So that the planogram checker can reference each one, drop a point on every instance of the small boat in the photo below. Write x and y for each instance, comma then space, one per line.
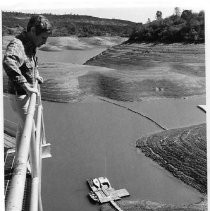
93, 196
94, 184
104, 182
97, 184
102, 191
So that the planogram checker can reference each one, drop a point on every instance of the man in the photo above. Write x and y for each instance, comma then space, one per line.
20, 63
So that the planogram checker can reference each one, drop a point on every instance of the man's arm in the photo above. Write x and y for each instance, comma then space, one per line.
29, 90
13, 59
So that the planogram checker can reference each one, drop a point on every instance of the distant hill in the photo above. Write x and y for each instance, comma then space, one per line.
66, 25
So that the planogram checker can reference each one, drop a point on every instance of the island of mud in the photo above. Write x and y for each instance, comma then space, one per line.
180, 151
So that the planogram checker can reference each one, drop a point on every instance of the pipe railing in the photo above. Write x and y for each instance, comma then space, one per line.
33, 137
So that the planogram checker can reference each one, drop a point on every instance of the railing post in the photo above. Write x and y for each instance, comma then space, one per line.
16, 193
33, 137
35, 158
34, 194
34, 172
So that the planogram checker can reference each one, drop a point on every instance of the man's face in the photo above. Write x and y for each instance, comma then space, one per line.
40, 39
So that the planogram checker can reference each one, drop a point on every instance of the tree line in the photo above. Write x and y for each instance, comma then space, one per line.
186, 27
69, 24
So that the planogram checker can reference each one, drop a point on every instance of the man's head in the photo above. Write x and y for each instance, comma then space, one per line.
40, 29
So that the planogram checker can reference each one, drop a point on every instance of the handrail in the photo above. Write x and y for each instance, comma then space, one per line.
33, 137
36, 161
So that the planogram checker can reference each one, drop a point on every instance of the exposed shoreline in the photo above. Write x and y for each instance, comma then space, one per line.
154, 71
182, 152
145, 205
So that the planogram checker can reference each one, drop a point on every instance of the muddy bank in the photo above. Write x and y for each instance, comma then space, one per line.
154, 206
157, 71
180, 151
134, 72
61, 83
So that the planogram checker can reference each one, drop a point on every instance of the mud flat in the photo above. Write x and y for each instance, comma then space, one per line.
153, 206
61, 82
157, 71
182, 152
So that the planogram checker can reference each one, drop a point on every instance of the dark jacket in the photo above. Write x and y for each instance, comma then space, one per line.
19, 63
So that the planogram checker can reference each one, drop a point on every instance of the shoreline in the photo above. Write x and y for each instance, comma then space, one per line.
182, 152
146, 205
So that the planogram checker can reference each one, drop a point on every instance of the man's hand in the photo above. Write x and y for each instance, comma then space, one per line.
40, 79
29, 90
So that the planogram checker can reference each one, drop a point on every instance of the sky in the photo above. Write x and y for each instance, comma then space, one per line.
135, 14
133, 10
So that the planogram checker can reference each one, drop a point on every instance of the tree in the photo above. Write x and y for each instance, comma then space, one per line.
186, 15
201, 13
177, 11
158, 15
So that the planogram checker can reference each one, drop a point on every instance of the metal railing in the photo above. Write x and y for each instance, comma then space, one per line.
31, 146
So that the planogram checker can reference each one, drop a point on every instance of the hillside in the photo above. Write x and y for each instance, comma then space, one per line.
66, 25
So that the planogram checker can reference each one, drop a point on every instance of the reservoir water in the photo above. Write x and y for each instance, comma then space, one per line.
94, 138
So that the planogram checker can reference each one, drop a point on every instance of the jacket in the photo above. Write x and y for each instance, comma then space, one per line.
19, 63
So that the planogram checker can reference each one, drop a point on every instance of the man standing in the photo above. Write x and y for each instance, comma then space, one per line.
20, 63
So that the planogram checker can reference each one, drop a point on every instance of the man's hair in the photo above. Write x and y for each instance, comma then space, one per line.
40, 23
